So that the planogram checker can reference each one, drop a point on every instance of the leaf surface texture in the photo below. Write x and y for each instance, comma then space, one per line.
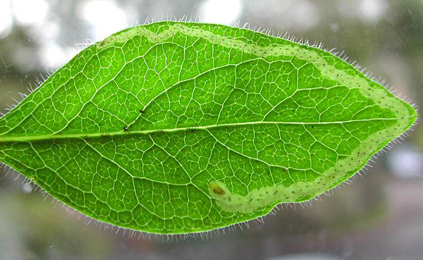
179, 127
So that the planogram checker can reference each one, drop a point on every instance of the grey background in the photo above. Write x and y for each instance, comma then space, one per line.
378, 216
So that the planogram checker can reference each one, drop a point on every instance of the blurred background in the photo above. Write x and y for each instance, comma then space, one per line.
379, 216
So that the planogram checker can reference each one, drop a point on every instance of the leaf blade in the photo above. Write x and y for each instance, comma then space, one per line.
185, 127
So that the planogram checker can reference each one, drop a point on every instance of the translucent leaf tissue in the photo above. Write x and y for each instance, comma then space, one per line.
177, 127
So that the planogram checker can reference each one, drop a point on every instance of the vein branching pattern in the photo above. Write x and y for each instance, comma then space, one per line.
179, 127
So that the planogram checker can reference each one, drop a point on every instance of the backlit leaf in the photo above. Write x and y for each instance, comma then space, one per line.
179, 127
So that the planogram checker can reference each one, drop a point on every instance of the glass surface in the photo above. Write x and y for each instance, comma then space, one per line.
378, 216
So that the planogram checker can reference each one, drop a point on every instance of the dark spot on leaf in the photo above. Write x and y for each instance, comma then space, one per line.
216, 189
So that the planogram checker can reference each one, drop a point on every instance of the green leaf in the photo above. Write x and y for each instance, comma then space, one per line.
179, 127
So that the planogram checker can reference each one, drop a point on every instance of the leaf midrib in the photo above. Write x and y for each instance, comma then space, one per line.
9, 139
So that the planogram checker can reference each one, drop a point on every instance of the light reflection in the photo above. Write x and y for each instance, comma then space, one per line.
305, 13
369, 11
372, 10
406, 162
5, 18
105, 17
220, 11
30, 12
52, 56
287, 14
